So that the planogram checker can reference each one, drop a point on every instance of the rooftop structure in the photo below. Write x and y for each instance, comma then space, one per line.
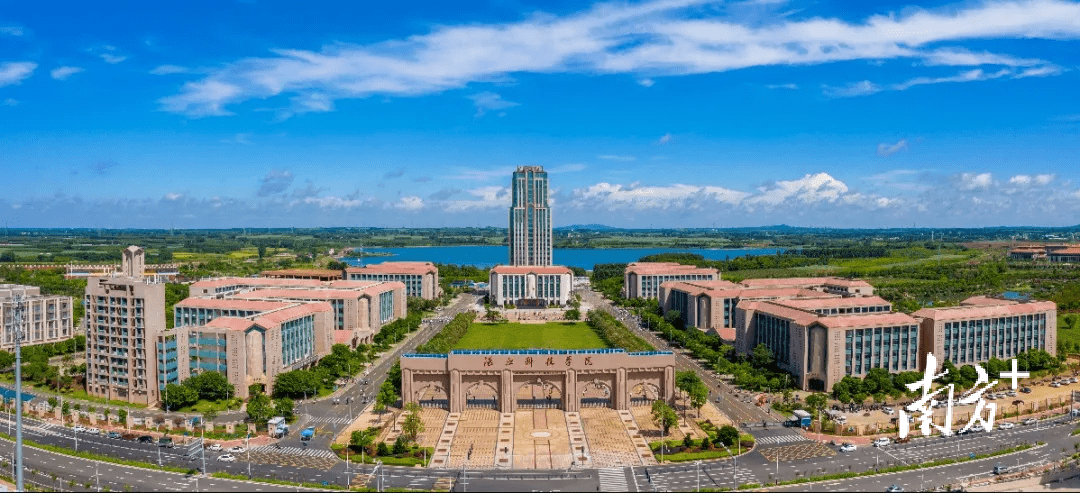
421, 278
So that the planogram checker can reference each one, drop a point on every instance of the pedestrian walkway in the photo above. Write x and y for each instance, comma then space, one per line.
304, 452
780, 439
330, 420
613, 479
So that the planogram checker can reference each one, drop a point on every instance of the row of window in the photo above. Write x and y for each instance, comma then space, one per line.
891, 348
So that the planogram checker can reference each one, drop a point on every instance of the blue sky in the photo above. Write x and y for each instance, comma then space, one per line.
677, 113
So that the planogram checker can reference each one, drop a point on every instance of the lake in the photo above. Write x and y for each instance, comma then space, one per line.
586, 258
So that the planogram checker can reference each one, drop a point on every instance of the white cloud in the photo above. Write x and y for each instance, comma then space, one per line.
614, 157
973, 181
62, 73
332, 202
490, 197
808, 189
113, 59
489, 101
664, 139
782, 86
649, 39
11, 102
676, 196
174, 196
15, 72
646, 82
410, 203
886, 150
170, 69
861, 88
11, 30
1026, 180
276, 181
968, 76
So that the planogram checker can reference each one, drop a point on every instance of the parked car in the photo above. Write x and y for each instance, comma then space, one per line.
226, 458
1030, 421
1026, 390
236, 450
165, 442
115, 434
978, 428
1000, 469
79, 428
888, 411
881, 442
215, 447
146, 439
1005, 426
1011, 393
93, 431
847, 447
894, 489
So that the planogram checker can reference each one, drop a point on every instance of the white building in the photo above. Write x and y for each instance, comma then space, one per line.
530, 286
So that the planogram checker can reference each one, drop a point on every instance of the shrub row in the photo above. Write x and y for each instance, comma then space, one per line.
448, 336
615, 333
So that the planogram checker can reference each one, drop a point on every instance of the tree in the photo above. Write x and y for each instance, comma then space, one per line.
122, 417
573, 314
664, 416
296, 383
259, 408
211, 386
262, 251
761, 356
360, 439
412, 426
285, 408
177, 396
387, 395
699, 395
727, 435
383, 450
817, 402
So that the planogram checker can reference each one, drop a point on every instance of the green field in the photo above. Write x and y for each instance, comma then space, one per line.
556, 335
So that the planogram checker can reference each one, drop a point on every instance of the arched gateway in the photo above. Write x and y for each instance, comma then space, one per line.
540, 378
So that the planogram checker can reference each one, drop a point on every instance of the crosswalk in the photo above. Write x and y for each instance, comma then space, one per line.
306, 452
613, 479
780, 439
335, 421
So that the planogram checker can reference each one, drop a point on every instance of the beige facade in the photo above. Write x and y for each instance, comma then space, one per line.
982, 328
516, 379
45, 318
530, 286
421, 278
249, 350
643, 279
819, 341
125, 315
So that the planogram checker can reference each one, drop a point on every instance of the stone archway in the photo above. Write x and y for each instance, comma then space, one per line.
433, 394
537, 393
596, 392
643, 394
482, 395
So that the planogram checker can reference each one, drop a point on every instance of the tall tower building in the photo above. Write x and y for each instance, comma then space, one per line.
530, 218
125, 313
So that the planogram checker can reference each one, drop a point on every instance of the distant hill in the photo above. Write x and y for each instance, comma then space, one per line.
590, 227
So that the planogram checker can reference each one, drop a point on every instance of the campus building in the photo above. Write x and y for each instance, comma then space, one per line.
318, 274
509, 380
982, 327
253, 349
125, 315
530, 287
530, 218
819, 341
643, 279
421, 278
831, 285
221, 287
1063, 253
45, 318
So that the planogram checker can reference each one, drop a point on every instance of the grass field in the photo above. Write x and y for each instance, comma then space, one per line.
556, 335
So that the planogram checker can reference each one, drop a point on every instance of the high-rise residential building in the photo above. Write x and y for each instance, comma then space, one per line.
45, 318
125, 315
530, 218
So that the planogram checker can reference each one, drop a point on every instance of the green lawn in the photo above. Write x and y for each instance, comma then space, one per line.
557, 335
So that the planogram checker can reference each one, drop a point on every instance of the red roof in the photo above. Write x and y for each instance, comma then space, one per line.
254, 281
713, 288
726, 333
231, 323
867, 320
232, 304
668, 268
531, 269
804, 282
819, 303
277, 317
352, 284
1065, 251
396, 268
987, 301
343, 337
303, 294
985, 311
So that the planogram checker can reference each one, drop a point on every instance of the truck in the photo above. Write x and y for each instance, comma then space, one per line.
307, 433
799, 418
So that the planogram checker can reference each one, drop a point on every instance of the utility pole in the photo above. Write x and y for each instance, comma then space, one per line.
17, 333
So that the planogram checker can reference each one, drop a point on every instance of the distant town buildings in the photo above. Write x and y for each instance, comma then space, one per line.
125, 315
1055, 253
45, 318
421, 278
530, 218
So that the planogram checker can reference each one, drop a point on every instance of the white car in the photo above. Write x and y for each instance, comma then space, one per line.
93, 431
1030, 421
978, 428
888, 411
1005, 426
79, 428
236, 450
215, 447
881, 442
847, 447
226, 458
